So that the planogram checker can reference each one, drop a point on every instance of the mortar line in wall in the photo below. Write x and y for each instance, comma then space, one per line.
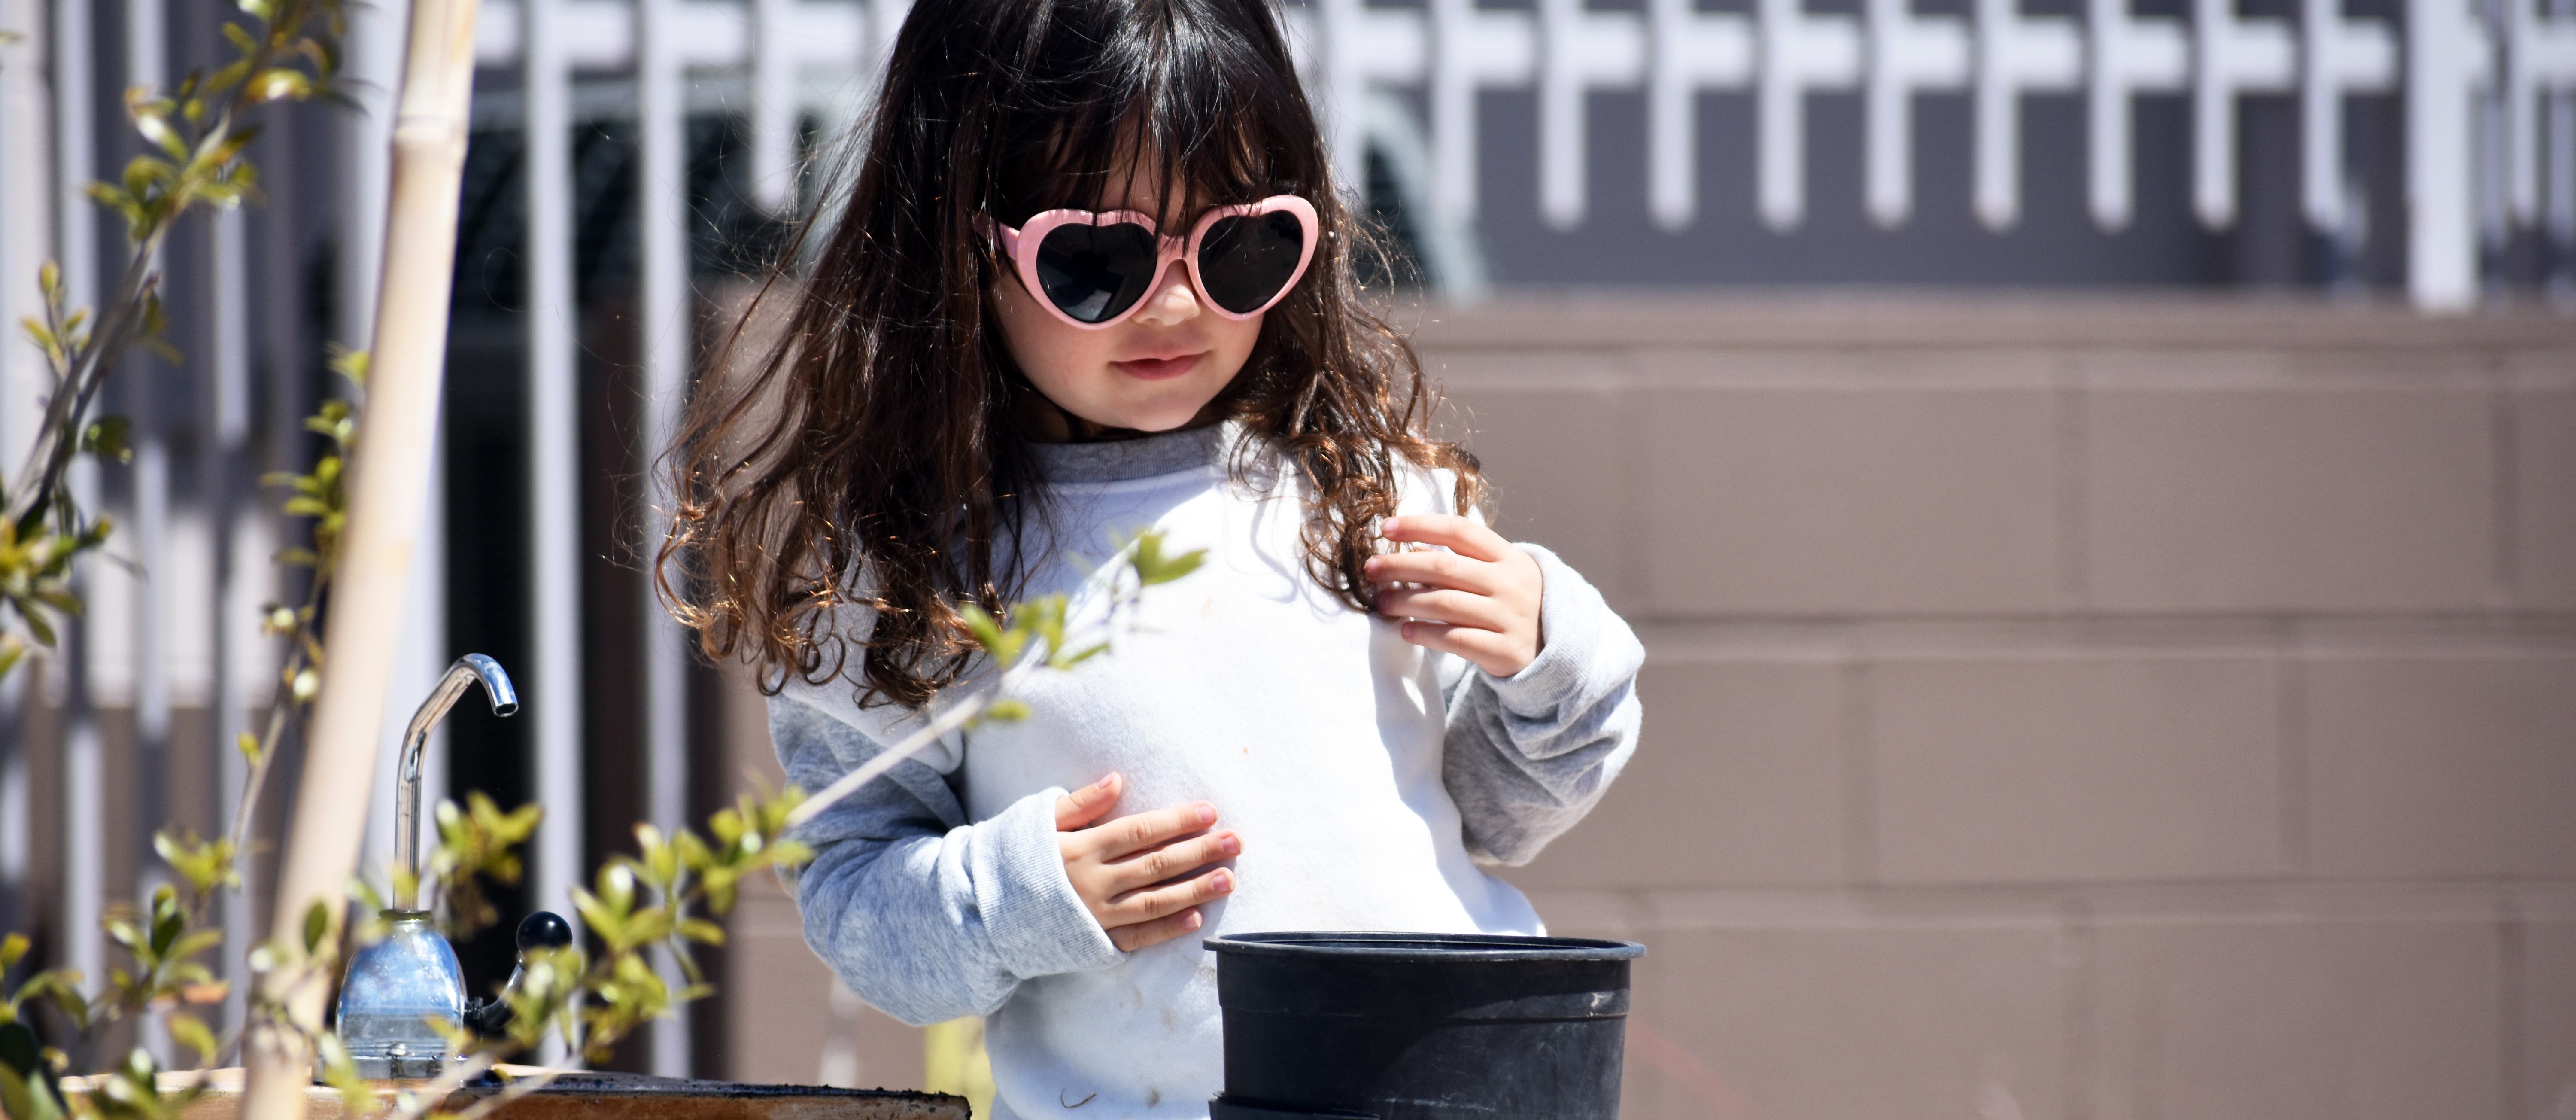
1634, 463
2504, 463
2082, 1002
2292, 753
1860, 775
2074, 467
2510, 965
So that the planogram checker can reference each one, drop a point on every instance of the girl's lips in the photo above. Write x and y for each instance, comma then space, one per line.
1157, 369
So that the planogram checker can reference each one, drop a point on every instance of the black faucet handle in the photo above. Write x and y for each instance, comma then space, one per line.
544, 929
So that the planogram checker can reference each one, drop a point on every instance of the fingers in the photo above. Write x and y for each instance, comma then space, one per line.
1171, 861
1131, 834
1440, 605
1502, 655
1455, 570
1163, 901
1128, 939
1083, 806
1458, 534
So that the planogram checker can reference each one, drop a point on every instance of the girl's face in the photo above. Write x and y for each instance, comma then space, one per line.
1156, 370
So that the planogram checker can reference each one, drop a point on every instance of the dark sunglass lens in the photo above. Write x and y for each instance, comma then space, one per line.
1095, 272
1245, 262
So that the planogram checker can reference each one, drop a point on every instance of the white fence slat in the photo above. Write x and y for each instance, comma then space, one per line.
2016, 54
2231, 57
773, 103
2446, 63
1580, 51
2342, 56
1692, 51
2540, 56
2127, 56
1800, 53
1907, 54
1471, 49
554, 450
669, 37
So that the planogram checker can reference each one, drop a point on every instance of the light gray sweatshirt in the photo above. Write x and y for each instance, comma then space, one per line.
1368, 778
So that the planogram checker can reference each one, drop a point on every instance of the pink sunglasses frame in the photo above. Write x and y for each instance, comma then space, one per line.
1021, 245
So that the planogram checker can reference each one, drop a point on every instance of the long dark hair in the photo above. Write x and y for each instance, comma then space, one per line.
871, 453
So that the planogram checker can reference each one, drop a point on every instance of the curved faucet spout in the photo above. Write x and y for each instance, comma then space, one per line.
468, 669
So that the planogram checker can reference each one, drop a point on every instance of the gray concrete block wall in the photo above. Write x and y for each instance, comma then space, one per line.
2118, 710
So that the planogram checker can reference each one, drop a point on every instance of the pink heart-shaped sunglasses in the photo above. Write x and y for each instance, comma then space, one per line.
1093, 269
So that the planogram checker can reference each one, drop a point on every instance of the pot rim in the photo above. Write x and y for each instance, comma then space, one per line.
1423, 947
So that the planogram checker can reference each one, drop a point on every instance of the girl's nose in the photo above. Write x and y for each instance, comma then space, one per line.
1175, 303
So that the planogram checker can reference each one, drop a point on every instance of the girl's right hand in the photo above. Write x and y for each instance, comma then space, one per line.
1143, 876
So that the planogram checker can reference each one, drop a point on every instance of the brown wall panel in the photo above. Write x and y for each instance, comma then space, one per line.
2451, 766
1743, 786
1831, 1023
2076, 769
2387, 1019
2543, 426
2269, 500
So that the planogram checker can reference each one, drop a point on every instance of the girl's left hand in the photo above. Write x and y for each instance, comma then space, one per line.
1478, 600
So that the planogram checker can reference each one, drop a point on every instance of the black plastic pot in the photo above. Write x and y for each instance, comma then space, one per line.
1421, 1026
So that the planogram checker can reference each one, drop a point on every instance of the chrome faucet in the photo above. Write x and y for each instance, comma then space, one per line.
399, 983
505, 701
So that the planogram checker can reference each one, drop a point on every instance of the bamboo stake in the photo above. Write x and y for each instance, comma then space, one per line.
389, 490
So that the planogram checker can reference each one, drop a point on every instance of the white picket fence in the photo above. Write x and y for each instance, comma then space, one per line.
2453, 64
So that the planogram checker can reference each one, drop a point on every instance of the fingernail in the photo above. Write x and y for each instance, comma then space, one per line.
1224, 883
1230, 845
1390, 525
1195, 920
1104, 782
1371, 565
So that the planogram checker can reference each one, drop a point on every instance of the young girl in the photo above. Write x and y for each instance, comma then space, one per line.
1095, 276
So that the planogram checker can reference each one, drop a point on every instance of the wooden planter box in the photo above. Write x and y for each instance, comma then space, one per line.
585, 1095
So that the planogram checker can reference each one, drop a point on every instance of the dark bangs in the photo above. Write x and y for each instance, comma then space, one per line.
1194, 96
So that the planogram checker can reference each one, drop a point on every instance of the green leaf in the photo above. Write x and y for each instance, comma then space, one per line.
37, 626
191, 1032
317, 925
106, 438
1069, 660
278, 85
348, 363
12, 949
1152, 567
26, 1081
1007, 710
988, 633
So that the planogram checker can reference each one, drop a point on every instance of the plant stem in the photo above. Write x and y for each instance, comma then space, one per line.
281, 703
118, 326
59, 439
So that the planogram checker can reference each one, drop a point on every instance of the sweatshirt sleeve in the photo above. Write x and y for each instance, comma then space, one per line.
1526, 756
926, 916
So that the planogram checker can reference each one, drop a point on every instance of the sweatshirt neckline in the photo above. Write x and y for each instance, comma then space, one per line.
1143, 457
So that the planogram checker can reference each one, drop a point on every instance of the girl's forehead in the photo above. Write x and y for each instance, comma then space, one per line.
1125, 166
1146, 186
